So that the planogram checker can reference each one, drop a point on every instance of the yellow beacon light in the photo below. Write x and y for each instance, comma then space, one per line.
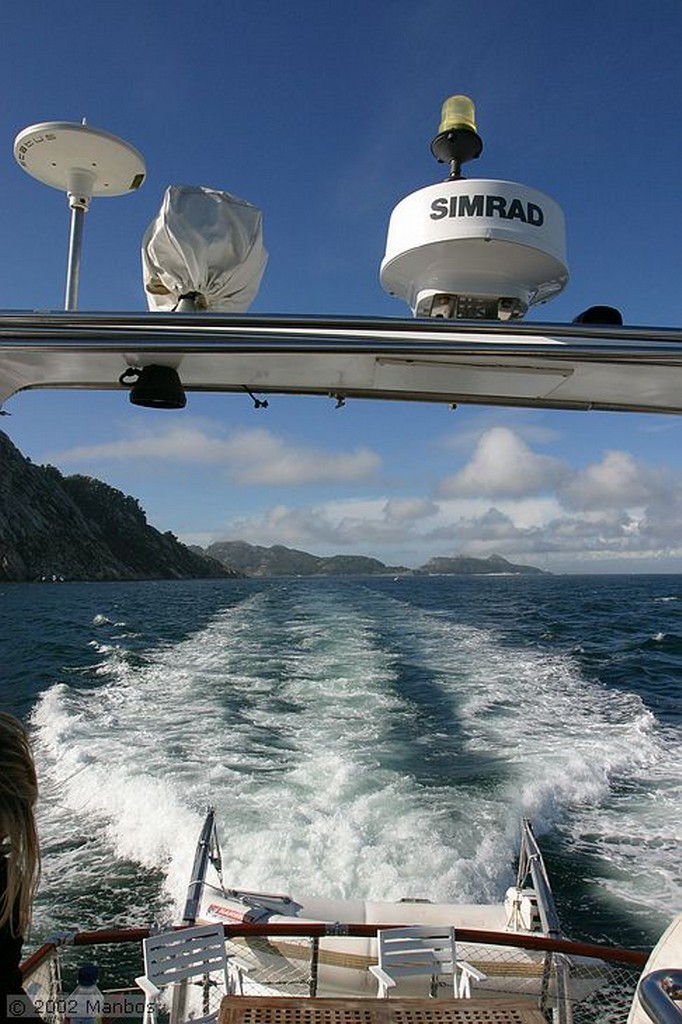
457, 140
457, 112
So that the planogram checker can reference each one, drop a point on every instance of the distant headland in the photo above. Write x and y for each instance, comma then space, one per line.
254, 560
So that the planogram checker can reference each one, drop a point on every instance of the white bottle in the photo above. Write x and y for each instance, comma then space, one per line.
85, 1004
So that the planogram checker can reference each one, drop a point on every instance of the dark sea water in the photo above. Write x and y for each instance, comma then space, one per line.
358, 737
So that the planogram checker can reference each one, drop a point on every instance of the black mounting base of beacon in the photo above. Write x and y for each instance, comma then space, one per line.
455, 147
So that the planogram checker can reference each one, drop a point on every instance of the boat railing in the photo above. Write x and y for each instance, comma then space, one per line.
207, 852
564, 1002
585, 984
531, 864
659, 994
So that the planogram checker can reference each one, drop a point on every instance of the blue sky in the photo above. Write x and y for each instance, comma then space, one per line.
322, 115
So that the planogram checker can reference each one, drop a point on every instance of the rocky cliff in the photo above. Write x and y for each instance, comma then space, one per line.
78, 528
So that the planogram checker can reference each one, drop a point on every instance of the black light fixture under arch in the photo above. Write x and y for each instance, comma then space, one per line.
154, 387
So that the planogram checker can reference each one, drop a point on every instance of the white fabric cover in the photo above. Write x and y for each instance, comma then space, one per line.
207, 242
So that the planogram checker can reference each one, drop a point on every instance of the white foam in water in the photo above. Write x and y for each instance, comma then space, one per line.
588, 758
286, 726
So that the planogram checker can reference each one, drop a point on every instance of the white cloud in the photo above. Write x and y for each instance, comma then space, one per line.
400, 510
517, 530
507, 498
540, 510
504, 465
533, 433
617, 482
371, 526
362, 524
251, 457
186, 443
258, 457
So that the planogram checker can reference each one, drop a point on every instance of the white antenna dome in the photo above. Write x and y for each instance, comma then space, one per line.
473, 249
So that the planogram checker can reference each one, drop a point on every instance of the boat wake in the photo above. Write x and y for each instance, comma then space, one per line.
353, 745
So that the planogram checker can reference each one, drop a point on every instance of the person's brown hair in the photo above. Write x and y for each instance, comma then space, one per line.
18, 835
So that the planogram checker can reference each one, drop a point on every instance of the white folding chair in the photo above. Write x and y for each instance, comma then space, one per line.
176, 956
422, 949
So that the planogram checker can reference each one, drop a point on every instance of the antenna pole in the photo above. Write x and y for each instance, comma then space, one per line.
73, 266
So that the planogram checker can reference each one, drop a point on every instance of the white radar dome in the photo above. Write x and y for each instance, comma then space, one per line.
474, 248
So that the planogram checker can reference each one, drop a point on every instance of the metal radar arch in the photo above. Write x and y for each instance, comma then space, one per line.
83, 162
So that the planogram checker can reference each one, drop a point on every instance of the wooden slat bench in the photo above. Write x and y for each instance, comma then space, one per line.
282, 1010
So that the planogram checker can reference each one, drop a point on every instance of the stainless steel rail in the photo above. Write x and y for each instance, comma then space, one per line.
207, 851
157, 329
531, 863
659, 992
412, 325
